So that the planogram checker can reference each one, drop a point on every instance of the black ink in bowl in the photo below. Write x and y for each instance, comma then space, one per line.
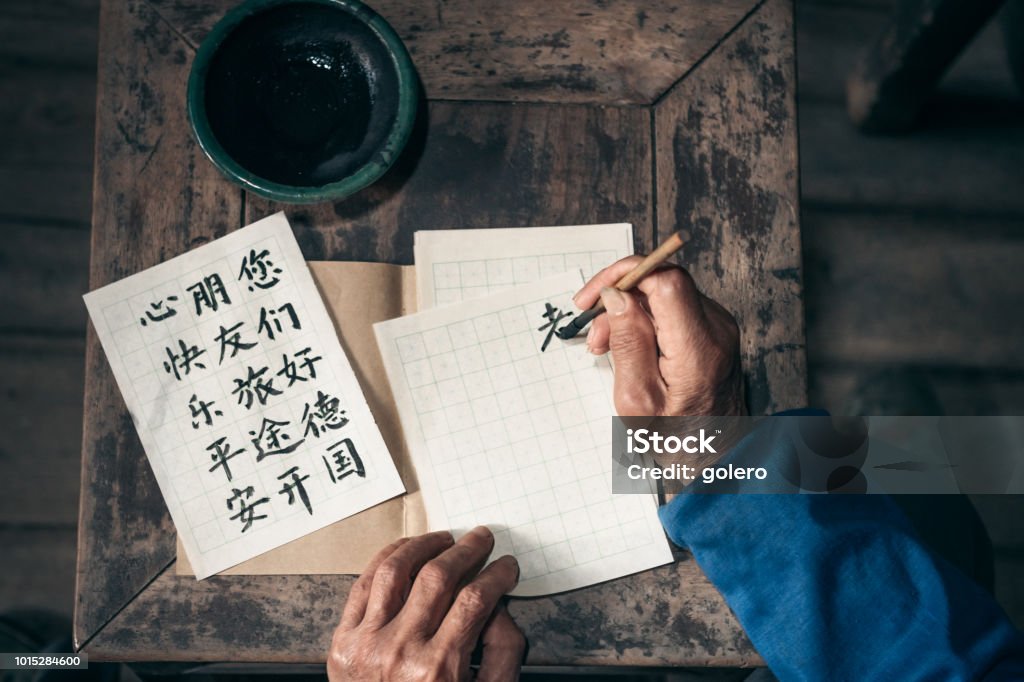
302, 101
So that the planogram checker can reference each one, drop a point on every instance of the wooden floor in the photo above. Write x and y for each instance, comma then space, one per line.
913, 251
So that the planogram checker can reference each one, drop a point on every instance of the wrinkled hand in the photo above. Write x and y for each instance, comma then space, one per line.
676, 351
419, 609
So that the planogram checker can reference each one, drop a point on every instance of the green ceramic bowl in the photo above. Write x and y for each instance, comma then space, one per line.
302, 100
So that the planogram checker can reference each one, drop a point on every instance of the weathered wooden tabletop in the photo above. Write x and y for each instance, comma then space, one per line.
663, 114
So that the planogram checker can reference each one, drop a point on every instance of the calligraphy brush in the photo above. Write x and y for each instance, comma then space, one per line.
628, 281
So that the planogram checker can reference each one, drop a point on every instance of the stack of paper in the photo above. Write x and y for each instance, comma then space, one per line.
506, 424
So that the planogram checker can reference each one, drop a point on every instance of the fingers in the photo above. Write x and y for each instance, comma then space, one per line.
476, 602
394, 574
670, 294
638, 382
435, 586
504, 648
355, 606
591, 291
677, 309
597, 336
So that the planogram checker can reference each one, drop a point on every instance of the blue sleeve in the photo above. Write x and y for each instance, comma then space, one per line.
840, 587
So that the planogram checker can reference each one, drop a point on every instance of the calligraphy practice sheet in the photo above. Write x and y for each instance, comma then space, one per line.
246, 405
454, 265
509, 426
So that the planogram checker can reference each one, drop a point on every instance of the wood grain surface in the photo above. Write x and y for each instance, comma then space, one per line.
725, 145
43, 277
666, 615
593, 51
489, 165
155, 197
901, 261
41, 449
470, 164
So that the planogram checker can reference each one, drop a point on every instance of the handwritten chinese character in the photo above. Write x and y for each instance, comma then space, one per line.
159, 311
246, 510
220, 453
206, 291
290, 369
259, 270
230, 337
295, 486
344, 461
323, 414
254, 388
181, 363
272, 439
270, 320
201, 408
553, 316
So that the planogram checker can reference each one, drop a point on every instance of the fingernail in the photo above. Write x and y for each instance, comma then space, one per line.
482, 532
575, 297
614, 300
515, 564
446, 535
590, 339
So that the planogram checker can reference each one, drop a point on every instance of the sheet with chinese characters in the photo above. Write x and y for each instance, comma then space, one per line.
453, 265
247, 407
509, 426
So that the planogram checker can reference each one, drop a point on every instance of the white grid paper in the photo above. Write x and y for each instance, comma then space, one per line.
455, 265
503, 434
158, 403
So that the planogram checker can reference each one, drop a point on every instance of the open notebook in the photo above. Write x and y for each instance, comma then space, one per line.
545, 489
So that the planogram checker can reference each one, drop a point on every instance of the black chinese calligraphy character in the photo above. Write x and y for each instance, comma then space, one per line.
201, 408
220, 453
553, 316
207, 291
230, 337
259, 270
295, 486
272, 439
254, 388
181, 363
325, 413
270, 320
344, 460
246, 510
290, 368
159, 311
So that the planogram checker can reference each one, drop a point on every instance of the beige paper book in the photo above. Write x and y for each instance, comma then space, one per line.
557, 514
453, 265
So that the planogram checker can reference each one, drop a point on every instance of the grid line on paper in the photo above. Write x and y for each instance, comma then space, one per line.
433, 405
458, 280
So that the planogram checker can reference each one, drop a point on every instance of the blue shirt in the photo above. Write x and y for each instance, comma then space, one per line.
840, 587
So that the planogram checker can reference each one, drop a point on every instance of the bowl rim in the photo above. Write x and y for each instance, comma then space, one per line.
369, 172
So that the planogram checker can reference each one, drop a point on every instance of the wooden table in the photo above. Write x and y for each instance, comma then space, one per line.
664, 114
